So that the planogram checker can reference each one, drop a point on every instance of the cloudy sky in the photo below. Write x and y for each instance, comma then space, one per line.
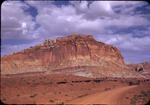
124, 24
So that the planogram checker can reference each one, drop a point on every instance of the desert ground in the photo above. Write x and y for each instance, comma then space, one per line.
40, 88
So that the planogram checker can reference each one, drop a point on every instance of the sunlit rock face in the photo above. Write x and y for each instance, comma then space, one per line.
65, 52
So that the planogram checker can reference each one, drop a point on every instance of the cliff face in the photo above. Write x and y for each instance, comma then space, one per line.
64, 52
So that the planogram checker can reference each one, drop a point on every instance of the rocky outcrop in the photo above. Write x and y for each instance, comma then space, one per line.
136, 67
142, 68
70, 51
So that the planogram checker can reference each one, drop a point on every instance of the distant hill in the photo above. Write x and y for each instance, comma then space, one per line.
141, 68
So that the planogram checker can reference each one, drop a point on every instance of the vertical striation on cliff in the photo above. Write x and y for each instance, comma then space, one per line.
64, 52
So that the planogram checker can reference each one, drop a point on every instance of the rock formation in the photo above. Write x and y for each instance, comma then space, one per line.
68, 54
142, 68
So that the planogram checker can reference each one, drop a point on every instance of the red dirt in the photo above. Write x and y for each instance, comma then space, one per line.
107, 97
58, 88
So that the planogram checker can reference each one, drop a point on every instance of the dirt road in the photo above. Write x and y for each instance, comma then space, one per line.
113, 96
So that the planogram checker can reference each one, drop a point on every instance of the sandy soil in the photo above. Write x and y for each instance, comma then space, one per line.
57, 89
107, 97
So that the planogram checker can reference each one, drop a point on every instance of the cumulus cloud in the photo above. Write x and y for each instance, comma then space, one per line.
93, 11
91, 19
108, 21
134, 49
14, 22
128, 42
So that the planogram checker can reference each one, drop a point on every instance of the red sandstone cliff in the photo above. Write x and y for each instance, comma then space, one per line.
68, 52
